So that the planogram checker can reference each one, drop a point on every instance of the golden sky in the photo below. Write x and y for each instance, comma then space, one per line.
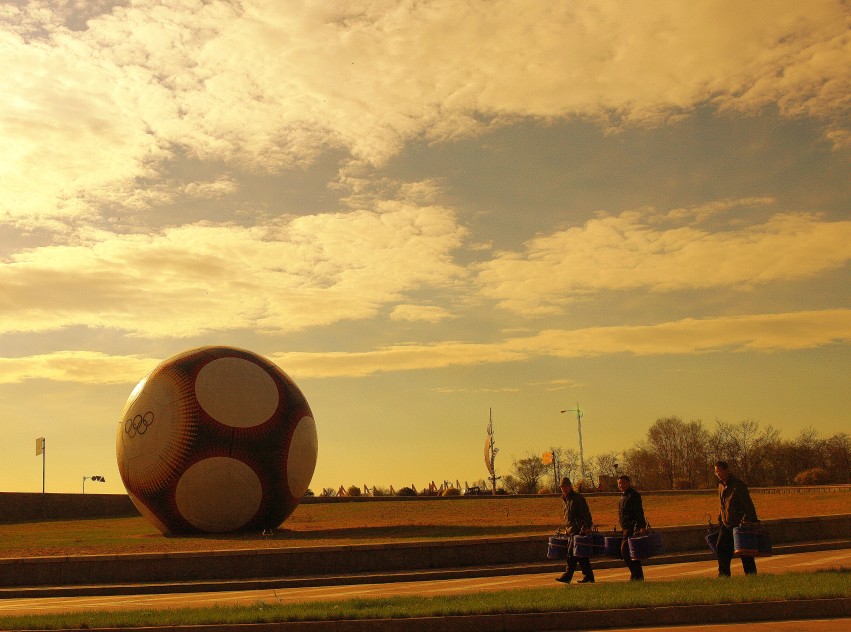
422, 211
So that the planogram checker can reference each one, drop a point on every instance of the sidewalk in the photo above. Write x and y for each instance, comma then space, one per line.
710, 617
495, 570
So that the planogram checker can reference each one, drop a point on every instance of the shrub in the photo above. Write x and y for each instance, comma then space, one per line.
814, 476
451, 491
681, 483
354, 490
406, 491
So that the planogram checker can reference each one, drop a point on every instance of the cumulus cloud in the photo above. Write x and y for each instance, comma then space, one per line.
88, 112
755, 332
636, 250
284, 276
81, 367
758, 332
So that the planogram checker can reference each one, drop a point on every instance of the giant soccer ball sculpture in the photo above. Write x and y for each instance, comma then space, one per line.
216, 439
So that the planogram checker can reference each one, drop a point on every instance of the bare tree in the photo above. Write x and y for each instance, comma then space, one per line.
605, 464
694, 455
641, 466
528, 472
747, 446
838, 448
663, 443
565, 463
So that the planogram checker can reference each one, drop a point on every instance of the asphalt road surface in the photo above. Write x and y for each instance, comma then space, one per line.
795, 562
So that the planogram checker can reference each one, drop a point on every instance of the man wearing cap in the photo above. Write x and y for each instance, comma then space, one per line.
577, 518
631, 516
736, 507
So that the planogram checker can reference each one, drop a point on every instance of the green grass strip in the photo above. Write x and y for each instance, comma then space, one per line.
823, 584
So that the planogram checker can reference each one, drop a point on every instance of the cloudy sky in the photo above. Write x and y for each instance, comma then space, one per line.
422, 211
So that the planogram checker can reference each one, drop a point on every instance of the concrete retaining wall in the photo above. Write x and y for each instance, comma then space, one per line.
22, 507
16, 507
365, 558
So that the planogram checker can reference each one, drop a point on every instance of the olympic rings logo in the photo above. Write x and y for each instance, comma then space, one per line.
138, 424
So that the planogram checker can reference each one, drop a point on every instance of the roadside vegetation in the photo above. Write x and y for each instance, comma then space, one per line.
762, 588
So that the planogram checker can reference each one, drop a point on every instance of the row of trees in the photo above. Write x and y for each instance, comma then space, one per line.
677, 454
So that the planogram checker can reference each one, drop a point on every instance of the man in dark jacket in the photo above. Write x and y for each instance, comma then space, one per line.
736, 506
631, 516
577, 518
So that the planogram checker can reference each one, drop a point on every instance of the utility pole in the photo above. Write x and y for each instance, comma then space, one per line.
579, 414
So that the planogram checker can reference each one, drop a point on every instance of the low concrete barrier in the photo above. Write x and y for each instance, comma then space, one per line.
17, 507
352, 559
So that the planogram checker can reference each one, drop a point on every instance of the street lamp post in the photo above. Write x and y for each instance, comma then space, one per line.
100, 479
579, 414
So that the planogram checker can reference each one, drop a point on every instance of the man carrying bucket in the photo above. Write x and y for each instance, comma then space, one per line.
577, 517
631, 516
736, 504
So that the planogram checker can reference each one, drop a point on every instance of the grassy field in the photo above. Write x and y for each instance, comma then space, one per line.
828, 584
369, 522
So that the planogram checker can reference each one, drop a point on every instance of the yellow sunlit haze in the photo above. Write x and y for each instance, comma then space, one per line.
422, 213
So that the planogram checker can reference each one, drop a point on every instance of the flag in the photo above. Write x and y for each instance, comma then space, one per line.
39, 446
547, 458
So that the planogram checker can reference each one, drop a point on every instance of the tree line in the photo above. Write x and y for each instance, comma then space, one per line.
677, 454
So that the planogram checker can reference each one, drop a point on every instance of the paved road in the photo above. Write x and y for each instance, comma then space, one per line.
795, 562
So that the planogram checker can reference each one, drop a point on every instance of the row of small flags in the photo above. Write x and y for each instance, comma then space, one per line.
432, 488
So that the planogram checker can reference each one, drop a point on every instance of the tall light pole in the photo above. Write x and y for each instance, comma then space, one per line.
579, 414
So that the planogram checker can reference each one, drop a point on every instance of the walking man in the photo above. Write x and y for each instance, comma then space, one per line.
577, 518
736, 504
631, 516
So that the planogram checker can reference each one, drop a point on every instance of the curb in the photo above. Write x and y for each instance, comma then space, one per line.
749, 612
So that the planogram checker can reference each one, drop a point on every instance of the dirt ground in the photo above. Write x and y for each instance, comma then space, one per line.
324, 524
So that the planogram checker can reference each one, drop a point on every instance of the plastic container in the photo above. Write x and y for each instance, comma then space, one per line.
612, 545
558, 546
589, 545
645, 545
751, 541
712, 540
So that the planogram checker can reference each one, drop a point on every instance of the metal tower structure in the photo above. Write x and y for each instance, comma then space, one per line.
579, 414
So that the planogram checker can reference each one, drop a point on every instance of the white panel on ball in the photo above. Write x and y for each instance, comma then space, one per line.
303, 451
250, 405
230, 482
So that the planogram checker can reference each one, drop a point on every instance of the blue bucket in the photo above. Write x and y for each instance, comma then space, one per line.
712, 541
590, 545
558, 547
763, 543
646, 545
612, 545
745, 541
751, 541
